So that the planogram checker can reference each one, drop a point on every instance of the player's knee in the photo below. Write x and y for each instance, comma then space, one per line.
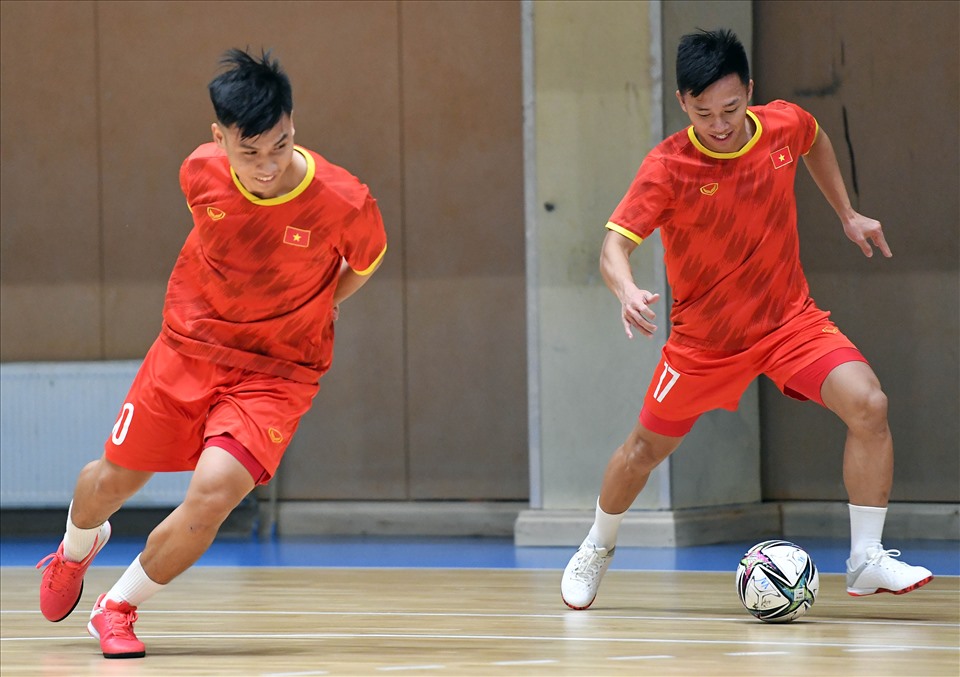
211, 504
111, 482
639, 456
870, 413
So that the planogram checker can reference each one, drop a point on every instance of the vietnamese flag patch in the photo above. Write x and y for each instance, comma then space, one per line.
781, 158
296, 236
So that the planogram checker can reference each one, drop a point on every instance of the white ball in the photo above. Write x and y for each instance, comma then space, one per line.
777, 581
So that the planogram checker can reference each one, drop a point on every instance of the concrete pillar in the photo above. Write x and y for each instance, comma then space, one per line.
599, 94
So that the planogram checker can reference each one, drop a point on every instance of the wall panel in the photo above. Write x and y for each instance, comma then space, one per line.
49, 173
463, 201
882, 79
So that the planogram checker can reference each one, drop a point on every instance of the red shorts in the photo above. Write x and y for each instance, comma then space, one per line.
797, 357
178, 404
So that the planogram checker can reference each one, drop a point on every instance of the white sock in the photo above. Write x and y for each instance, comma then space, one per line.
77, 542
134, 587
866, 531
603, 533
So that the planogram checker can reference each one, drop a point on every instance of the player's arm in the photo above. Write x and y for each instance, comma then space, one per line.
821, 161
615, 269
350, 281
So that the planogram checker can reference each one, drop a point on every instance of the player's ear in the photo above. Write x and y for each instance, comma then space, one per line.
680, 99
218, 137
749, 91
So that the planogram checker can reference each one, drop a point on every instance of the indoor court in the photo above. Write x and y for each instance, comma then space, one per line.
453, 460
379, 606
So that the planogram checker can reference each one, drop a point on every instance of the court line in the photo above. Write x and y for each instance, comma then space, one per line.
392, 668
424, 566
626, 568
561, 615
503, 638
767, 653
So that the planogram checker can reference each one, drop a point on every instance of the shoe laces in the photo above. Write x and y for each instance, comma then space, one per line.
121, 620
589, 565
58, 558
878, 556
62, 577
47, 559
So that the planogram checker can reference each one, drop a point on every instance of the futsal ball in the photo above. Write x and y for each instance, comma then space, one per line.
777, 581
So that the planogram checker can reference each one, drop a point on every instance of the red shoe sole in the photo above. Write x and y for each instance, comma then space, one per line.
918, 584
578, 608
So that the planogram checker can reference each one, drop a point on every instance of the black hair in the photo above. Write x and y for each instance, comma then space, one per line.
707, 56
253, 94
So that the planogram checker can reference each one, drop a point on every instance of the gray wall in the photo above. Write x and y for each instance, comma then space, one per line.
593, 123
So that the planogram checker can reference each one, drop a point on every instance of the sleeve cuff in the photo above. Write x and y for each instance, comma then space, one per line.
373, 266
623, 231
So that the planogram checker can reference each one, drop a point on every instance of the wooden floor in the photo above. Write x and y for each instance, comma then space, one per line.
294, 622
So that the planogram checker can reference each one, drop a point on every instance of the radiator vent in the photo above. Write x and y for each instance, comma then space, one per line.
54, 419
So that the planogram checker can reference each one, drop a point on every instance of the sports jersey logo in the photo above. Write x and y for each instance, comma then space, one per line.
215, 214
296, 236
710, 188
830, 330
275, 436
781, 158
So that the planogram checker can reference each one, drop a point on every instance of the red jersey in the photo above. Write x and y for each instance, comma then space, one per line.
728, 222
253, 285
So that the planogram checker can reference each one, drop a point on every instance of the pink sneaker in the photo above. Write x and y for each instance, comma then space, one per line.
112, 623
62, 582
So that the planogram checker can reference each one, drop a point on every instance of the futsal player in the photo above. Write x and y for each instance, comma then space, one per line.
722, 194
280, 239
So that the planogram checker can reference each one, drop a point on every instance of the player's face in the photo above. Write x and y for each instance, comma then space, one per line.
719, 114
264, 164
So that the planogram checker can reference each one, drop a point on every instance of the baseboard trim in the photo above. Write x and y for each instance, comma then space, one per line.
826, 519
397, 518
651, 528
755, 521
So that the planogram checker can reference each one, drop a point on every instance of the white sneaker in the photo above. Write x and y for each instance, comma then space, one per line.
581, 578
882, 573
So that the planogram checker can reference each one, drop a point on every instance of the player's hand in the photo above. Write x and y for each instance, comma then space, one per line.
637, 314
863, 230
